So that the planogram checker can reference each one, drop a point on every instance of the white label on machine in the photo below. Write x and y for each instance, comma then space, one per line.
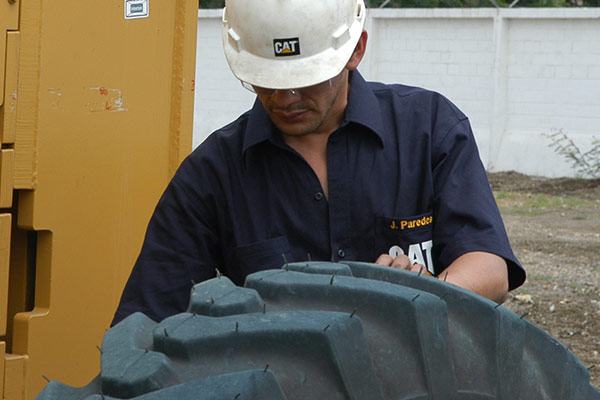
137, 9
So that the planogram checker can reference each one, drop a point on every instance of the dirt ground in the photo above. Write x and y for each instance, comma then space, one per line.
554, 227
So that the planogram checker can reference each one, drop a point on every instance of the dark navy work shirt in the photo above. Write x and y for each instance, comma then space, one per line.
404, 176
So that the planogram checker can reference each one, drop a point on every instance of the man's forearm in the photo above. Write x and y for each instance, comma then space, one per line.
480, 272
483, 273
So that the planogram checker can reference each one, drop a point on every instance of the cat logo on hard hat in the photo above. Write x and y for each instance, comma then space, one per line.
286, 47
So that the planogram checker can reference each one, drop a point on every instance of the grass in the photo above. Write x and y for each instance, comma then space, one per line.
540, 278
536, 203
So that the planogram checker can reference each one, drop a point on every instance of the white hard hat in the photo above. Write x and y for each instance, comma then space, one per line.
282, 44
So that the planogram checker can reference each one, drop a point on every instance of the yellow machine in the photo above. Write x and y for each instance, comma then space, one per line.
96, 107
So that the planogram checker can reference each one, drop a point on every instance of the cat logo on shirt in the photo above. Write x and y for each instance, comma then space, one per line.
417, 253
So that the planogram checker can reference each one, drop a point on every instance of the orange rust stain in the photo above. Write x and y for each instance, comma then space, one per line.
103, 91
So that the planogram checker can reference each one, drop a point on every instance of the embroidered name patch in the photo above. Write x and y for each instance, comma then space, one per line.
286, 47
408, 224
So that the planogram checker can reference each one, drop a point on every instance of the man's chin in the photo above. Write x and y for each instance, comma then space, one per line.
294, 129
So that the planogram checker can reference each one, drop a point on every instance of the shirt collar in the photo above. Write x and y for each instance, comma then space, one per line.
363, 106
259, 127
363, 109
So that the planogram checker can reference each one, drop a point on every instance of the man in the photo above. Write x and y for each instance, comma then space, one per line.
325, 166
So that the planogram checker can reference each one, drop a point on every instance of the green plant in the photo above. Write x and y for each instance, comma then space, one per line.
212, 3
586, 164
452, 3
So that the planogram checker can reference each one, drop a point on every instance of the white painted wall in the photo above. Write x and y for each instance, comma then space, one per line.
518, 74
219, 96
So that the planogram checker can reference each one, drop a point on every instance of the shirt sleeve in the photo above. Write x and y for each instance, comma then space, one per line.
179, 248
466, 217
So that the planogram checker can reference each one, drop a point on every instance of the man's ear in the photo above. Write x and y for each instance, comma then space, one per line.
359, 52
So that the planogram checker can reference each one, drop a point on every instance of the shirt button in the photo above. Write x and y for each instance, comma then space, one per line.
318, 196
341, 253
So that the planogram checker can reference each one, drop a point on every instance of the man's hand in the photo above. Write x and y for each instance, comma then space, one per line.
401, 262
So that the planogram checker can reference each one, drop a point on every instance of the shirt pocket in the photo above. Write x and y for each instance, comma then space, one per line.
258, 256
409, 235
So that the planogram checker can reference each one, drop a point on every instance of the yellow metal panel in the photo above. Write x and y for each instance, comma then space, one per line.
2, 355
182, 81
9, 21
104, 117
15, 369
19, 277
8, 110
30, 27
7, 161
5, 227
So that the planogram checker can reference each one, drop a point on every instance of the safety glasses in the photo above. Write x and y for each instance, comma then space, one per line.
308, 90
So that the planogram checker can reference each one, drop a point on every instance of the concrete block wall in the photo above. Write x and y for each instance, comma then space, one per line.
551, 86
518, 74
453, 56
219, 97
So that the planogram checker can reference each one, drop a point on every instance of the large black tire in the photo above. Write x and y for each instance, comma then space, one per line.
333, 331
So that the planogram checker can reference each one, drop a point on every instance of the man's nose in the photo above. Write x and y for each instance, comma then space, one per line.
283, 98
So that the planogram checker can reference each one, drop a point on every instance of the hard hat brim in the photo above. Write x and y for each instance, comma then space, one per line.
289, 72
